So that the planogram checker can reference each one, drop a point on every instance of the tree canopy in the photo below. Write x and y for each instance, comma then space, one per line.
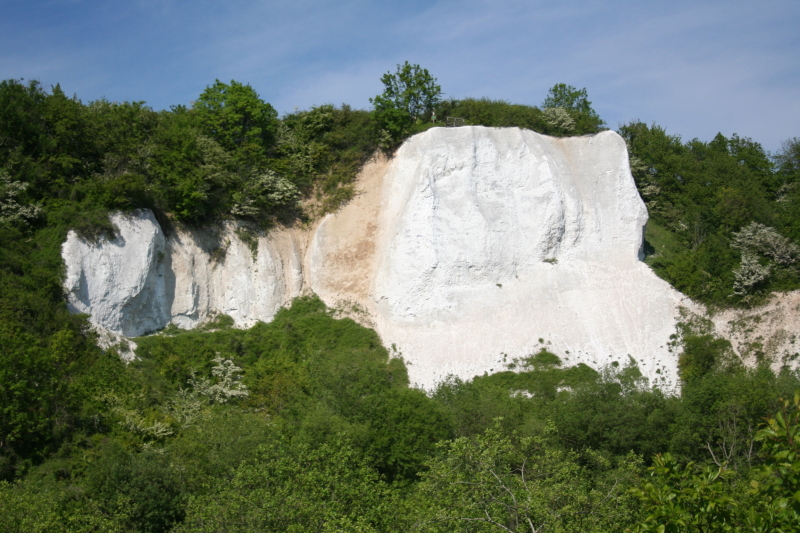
409, 94
237, 118
576, 103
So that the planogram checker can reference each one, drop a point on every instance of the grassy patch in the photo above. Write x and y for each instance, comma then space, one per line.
660, 244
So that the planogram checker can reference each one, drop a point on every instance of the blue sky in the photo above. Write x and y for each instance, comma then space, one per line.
694, 67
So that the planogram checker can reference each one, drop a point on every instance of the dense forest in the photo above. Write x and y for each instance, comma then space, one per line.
307, 423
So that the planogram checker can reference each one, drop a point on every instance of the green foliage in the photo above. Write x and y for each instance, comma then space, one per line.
576, 104
306, 423
715, 498
48, 359
788, 160
321, 151
494, 113
191, 172
474, 405
700, 354
45, 140
404, 427
140, 486
541, 375
500, 482
729, 214
720, 412
501, 114
617, 413
294, 487
409, 95
300, 365
690, 498
781, 445
26, 509
237, 118
194, 165
568, 97
207, 452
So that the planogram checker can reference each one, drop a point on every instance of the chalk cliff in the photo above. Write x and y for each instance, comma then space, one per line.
471, 247
141, 281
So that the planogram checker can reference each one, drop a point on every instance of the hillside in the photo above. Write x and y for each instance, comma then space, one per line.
511, 258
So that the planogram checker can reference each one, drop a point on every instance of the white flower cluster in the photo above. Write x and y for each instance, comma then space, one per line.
11, 211
754, 240
228, 384
263, 193
559, 119
758, 238
749, 274
148, 425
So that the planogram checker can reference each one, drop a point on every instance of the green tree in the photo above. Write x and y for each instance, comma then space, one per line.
191, 173
787, 193
500, 482
32, 509
41, 386
702, 197
700, 354
568, 97
717, 499
404, 427
576, 102
409, 95
142, 486
781, 446
788, 157
686, 499
237, 118
294, 487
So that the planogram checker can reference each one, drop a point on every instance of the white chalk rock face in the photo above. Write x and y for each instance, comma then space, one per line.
471, 247
471, 208
210, 273
487, 240
120, 283
141, 281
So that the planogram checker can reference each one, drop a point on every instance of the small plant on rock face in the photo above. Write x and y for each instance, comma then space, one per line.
218, 254
250, 238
